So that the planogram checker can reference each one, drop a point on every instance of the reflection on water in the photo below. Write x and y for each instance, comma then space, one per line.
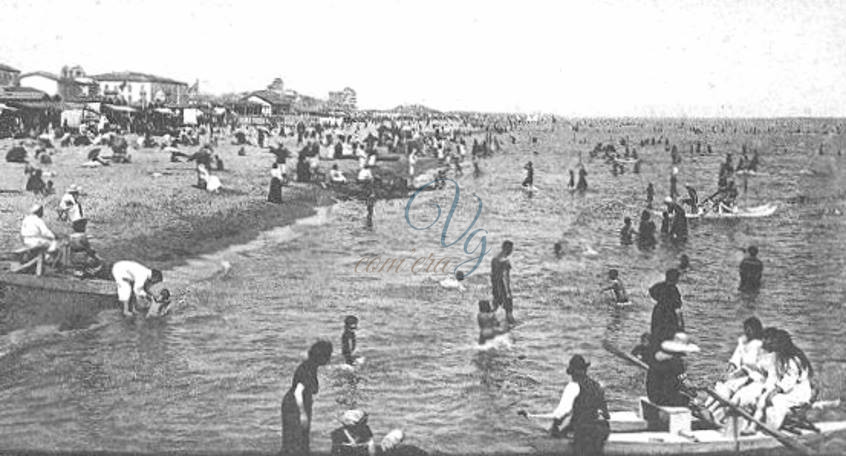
211, 375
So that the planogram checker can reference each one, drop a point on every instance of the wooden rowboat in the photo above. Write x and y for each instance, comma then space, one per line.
60, 283
630, 436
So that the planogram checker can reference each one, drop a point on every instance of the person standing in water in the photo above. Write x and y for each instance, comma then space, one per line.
646, 231
751, 269
650, 195
583, 184
297, 403
348, 344
616, 285
529, 181
627, 232
501, 281
370, 203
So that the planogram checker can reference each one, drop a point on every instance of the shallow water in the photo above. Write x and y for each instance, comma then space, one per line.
211, 376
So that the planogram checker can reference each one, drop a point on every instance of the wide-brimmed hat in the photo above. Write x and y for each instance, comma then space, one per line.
680, 344
353, 417
577, 363
74, 188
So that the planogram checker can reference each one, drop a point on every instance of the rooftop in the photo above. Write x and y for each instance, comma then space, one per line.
269, 96
132, 76
8, 68
45, 74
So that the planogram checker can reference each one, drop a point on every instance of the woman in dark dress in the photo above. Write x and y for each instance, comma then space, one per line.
274, 195
296, 405
582, 185
646, 232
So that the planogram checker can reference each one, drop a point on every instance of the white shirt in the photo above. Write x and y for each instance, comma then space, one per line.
337, 176
746, 353
135, 273
365, 174
276, 172
33, 226
568, 397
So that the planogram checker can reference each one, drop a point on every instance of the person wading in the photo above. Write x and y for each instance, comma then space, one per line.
297, 403
751, 269
501, 281
583, 401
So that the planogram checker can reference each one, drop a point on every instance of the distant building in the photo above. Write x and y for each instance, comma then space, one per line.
265, 103
71, 85
8, 75
344, 100
140, 88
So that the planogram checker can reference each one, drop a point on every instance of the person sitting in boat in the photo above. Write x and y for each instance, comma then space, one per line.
354, 437
788, 383
489, 326
616, 285
336, 176
743, 366
583, 401
35, 233
134, 280
666, 380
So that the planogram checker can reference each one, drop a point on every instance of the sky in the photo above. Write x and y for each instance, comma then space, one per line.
664, 58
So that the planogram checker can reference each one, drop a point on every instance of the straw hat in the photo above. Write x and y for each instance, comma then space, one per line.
74, 188
353, 417
679, 345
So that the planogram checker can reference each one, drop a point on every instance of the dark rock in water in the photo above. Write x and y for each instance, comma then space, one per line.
16, 154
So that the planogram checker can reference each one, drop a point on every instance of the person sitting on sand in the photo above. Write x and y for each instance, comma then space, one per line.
354, 438
489, 326
69, 207
35, 234
616, 285
34, 182
336, 176
134, 280
365, 175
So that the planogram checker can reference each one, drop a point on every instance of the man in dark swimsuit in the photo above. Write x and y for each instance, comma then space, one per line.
501, 281
750, 271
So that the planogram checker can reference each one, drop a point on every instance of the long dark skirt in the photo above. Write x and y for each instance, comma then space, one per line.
274, 195
294, 436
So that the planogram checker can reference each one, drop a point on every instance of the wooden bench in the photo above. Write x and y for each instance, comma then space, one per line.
675, 420
26, 257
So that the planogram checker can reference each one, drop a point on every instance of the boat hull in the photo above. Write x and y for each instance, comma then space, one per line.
710, 442
60, 284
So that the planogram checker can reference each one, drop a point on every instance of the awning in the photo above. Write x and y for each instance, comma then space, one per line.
164, 111
120, 108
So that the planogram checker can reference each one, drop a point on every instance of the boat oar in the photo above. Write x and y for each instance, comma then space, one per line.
783, 439
623, 355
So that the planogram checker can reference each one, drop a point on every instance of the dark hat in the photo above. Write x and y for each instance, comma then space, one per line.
577, 363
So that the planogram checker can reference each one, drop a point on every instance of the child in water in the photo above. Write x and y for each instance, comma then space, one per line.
627, 232
348, 339
489, 326
453, 282
160, 306
616, 285
642, 350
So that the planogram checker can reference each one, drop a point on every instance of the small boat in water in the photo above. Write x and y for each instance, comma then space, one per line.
62, 283
633, 435
764, 210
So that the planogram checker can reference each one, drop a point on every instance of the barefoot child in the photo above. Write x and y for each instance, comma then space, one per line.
616, 285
